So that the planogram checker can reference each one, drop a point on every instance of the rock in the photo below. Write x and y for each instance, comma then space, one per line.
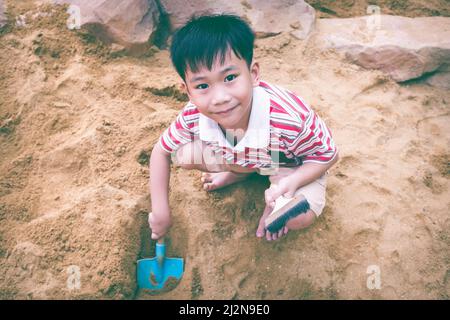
440, 79
21, 21
404, 48
116, 48
3, 19
60, 104
124, 22
266, 17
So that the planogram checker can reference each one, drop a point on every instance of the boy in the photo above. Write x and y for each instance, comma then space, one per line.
235, 124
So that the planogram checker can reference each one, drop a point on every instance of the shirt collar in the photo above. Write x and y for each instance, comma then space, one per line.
258, 131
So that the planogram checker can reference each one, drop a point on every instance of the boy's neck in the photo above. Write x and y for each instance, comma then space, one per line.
235, 134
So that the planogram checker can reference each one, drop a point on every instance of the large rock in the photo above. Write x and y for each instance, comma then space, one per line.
404, 48
441, 78
267, 17
125, 22
3, 19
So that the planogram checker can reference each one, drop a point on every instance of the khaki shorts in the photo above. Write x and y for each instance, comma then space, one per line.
200, 153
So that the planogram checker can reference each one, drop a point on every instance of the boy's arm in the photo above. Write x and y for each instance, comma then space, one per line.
310, 172
302, 176
160, 219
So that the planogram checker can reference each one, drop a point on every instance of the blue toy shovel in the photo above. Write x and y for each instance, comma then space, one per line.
159, 273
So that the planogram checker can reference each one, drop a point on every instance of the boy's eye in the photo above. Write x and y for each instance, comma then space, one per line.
202, 86
230, 77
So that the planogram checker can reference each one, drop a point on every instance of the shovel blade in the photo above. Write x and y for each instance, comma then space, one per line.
150, 275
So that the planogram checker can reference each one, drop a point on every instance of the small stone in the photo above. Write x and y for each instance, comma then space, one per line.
60, 104
120, 150
20, 21
116, 48
296, 25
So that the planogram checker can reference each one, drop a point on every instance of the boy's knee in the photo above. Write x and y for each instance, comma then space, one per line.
188, 156
189, 166
197, 155
302, 221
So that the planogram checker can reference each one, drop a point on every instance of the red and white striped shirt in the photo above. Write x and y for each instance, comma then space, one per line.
282, 131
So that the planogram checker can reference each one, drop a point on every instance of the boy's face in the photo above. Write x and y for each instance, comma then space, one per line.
224, 93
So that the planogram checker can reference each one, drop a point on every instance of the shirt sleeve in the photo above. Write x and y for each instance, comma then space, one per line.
314, 142
179, 132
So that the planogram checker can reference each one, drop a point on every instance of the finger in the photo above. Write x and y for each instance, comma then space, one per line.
267, 211
267, 196
268, 236
274, 236
280, 233
275, 197
271, 193
288, 194
270, 202
286, 230
260, 231
150, 219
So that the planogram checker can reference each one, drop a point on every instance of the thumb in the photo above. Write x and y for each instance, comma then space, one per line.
150, 218
289, 194
154, 236
272, 195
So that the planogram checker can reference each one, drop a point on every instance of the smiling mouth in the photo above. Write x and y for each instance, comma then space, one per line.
227, 111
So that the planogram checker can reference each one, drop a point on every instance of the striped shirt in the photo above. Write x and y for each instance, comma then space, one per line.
282, 131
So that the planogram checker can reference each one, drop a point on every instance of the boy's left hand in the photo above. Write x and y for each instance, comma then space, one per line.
261, 232
283, 187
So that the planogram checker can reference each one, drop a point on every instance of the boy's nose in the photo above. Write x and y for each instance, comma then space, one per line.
220, 97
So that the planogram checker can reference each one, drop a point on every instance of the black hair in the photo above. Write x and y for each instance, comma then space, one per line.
205, 38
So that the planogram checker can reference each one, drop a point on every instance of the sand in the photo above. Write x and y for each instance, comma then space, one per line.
407, 8
78, 122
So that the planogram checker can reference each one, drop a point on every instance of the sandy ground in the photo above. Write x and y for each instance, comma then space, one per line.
77, 124
407, 8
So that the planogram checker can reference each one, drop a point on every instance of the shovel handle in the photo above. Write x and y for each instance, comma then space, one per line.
160, 251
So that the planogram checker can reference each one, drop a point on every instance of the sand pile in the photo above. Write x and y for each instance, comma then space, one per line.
77, 123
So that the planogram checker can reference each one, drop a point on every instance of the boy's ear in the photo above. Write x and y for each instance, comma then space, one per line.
254, 71
183, 88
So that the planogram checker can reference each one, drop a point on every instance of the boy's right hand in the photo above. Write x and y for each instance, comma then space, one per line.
160, 224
